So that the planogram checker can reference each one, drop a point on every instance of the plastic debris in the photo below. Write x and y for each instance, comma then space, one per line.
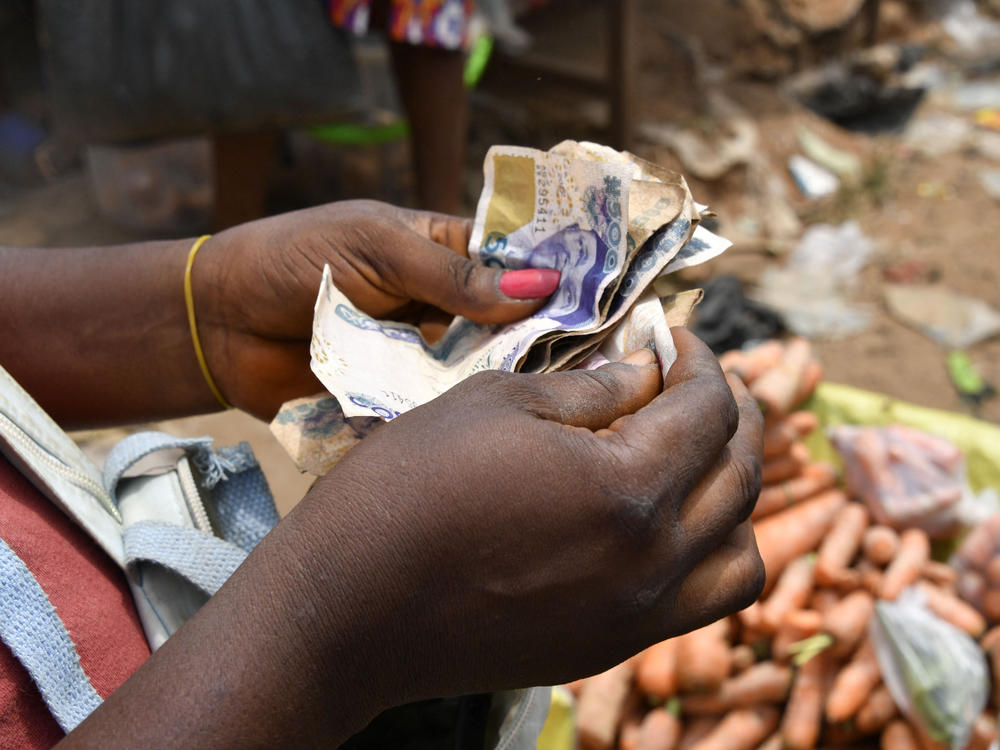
973, 33
966, 378
813, 180
809, 292
953, 320
990, 180
842, 163
977, 95
938, 135
726, 319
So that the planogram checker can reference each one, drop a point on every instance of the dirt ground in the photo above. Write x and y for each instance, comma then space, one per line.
954, 232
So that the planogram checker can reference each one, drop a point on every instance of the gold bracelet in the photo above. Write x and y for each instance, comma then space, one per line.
189, 301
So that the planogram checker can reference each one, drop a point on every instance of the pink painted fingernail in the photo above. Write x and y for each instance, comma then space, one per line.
529, 283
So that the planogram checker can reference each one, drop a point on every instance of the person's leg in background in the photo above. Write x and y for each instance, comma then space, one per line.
434, 97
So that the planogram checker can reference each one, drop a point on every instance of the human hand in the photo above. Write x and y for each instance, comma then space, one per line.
255, 286
530, 529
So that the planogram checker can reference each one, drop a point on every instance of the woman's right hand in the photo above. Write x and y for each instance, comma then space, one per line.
529, 529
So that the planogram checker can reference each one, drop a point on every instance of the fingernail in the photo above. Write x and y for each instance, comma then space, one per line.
529, 283
640, 357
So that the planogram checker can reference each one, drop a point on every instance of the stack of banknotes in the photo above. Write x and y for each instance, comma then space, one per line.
610, 222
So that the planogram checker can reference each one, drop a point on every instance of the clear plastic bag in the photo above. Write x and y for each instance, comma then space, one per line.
936, 673
906, 477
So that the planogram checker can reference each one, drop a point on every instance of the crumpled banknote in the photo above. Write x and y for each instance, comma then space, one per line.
610, 222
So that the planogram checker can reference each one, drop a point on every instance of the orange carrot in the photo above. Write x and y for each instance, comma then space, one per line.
660, 730
853, 684
703, 659
990, 639
841, 544
575, 687
602, 704
628, 732
991, 604
809, 621
696, 730
979, 547
766, 682
869, 576
793, 532
811, 377
782, 468
952, 609
940, 573
751, 364
742, 657
742, 729
781, 644
750, 616
804, 422
778, 438
880, 544
847, 621
984, 732
791, 592
993, 571
804, 712
823, 599
656, 674
878, 711
813, 479
898, 736
914, 552
771, 743
777, 388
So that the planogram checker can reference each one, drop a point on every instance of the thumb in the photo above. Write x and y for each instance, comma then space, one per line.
595, 398
431, 273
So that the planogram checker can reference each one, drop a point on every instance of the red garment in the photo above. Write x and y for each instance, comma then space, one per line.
90, 595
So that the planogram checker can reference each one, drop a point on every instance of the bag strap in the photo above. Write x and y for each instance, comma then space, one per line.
204, 560
32, 630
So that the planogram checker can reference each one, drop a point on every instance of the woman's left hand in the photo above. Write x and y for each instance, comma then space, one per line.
255, 286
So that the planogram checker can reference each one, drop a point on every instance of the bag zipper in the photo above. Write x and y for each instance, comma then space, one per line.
192, 496
25, 444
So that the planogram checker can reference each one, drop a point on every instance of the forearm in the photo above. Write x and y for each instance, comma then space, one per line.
284, 655
100, 335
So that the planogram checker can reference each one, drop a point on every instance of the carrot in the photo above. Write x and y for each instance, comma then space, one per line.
847, 621
656, 674
878, 711
781, 468
979, 547
940, 573
660, 730
993, 571
793, 532
952, 609
778, 388
628, 733
791, 592
991, 604
812, 479
880, 544
994, 657
869, 576
742, 657
575, 687
984, 732
914, 552
990, 639
811, 377
751, 364
602, 704
853, 684
808, 621
898, 736
781, 644
841, 544
778, 438
696, 730
823, 599
766, 682
804, 712
771, 743
703, 659
804, 422
749, 617
742, 729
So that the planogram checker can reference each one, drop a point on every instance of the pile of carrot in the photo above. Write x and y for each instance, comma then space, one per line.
797, 669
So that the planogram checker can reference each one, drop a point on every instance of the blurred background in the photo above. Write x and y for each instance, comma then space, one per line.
850, 149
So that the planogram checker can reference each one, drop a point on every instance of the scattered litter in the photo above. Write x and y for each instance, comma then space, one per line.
987, 144
988, 117
726, 319
934, 189
953, 320
977, 95
938, 134
842, 163
973, 33
908, 272
990, 180
966, 378
813, 180
809, 292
